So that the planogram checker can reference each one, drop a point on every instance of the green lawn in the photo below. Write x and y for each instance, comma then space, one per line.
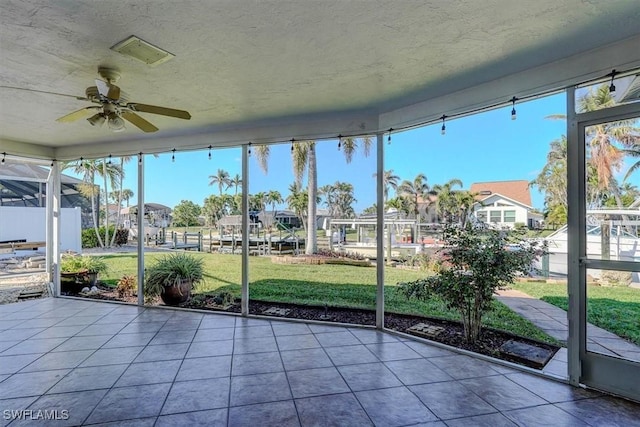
336, 285
616, 309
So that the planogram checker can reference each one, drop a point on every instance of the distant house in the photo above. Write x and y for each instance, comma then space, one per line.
505, 204
284, 219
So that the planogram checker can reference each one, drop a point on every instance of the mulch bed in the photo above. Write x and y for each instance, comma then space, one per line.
489, 343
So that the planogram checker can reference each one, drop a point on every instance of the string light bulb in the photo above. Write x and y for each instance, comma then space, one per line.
612, 87
140, 158
173, 155
443, 129
389, 137
209, 152
4, 156
339, 141
292, 141
109, 161
249, 150
513, 109
52, 162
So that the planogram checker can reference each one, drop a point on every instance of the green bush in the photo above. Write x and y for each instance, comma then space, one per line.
80, 263
90, 240
475, 264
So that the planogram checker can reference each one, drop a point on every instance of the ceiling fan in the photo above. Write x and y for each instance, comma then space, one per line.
114, 106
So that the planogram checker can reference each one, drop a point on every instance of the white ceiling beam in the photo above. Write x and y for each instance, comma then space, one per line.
18, 149
557, 75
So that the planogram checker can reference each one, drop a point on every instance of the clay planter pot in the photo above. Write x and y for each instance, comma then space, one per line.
73, 282
178, 294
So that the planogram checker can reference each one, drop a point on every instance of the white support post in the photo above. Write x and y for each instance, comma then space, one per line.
245, 232
53, 227
140, 219
380, 233
575, 235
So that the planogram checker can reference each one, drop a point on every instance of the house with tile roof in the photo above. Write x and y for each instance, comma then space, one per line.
505, 204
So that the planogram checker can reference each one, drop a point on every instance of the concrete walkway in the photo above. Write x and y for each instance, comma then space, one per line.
553, 321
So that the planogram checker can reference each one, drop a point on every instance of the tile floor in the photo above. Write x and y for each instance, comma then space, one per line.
118, 365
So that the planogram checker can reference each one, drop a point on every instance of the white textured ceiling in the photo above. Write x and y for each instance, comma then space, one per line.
240, 64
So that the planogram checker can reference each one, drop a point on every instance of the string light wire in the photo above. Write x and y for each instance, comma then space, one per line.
427, 122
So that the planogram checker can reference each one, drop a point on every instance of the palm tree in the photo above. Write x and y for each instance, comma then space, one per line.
414, 191
304, 158
328, 192
399, 203
236, 182
297, 201
388, 180
552, 180
303, 155
465, 200
273, 197
111, 174
446, 202
350, 146
126, 195
257, 201
88, 170
221, 178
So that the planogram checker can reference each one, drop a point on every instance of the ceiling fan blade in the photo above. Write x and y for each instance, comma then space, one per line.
79, 98
153, 109
77, 115
138, 121
108, 90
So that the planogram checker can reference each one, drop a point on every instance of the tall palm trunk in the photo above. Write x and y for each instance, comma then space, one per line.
94, 213
106, 204
113, 238
311, 245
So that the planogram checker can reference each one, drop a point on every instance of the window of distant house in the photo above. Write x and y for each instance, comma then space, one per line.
509, 216
495, 216
482, 216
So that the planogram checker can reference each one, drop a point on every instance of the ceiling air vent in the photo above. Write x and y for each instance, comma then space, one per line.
143, 51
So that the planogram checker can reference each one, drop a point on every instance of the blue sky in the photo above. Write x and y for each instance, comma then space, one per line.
483, 147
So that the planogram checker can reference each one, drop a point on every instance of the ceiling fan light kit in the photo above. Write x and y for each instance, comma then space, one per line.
97, 120
115, 108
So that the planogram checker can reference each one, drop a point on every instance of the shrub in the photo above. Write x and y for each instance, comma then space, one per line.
127, 286
81, 263
90, 240
478, 262
338, 254
171, 270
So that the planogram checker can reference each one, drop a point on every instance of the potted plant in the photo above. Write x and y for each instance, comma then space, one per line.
173, 277
80, 271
